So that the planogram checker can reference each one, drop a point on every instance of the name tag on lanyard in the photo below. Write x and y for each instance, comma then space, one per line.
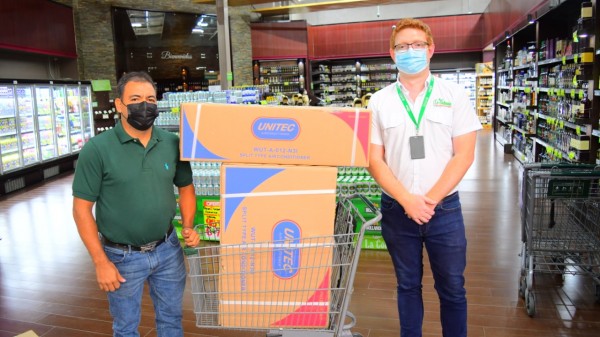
416, 143
417, 147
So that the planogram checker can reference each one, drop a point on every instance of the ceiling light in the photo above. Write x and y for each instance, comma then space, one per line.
136, 24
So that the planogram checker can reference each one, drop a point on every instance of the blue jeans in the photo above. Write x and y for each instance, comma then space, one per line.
446, 244
164, 269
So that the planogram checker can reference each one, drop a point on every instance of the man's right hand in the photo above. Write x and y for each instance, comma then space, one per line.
419, 208
108, 276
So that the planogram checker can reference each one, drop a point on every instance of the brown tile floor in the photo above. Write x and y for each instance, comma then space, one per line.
47, 282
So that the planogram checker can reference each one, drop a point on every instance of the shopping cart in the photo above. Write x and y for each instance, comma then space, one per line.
560, 217
309, 307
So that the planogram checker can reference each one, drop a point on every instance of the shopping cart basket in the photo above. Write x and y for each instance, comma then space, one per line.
308, 308
560, 217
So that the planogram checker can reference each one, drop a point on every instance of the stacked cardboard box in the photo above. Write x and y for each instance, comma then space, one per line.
278, 196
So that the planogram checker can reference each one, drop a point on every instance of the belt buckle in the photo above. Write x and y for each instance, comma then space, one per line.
148, 247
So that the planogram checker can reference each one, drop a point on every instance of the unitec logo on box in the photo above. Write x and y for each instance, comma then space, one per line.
286, 255
275, 128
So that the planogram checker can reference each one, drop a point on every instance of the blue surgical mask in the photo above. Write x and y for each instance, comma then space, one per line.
411, 61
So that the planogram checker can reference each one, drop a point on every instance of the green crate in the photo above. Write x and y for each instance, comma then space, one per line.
366, 212
373, 242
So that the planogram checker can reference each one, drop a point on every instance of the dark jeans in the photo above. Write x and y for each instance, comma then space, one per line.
446, 244
164, 270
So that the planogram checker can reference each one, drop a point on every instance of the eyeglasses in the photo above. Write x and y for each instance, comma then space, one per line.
403, 47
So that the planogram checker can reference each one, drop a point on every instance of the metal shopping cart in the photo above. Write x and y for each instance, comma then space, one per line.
316, 305
560, 216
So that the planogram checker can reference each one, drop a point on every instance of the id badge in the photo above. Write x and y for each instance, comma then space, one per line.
417, 147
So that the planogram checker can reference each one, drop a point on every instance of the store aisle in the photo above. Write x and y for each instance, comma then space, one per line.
47, 282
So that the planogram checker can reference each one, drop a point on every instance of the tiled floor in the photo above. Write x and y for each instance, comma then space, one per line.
47, 282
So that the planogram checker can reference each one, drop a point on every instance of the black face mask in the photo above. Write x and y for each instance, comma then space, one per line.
142, 115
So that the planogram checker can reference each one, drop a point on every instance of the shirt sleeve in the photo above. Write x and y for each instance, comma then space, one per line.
183, 174
376, 137
465, 119
88, 173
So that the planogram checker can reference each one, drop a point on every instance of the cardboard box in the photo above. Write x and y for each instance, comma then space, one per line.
282, 282
275, 134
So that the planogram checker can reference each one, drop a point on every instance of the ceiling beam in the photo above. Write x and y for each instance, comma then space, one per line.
280, 10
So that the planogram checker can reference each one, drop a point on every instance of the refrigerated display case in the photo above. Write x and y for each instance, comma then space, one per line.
61, 125
45, 113
9, 140
74, 118
27, 130
43, 125
87, 116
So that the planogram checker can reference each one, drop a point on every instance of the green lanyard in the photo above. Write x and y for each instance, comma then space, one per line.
423, 106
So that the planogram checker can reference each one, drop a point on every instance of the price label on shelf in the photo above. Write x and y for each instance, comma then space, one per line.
578, 130
527, 90
575, 37
105, 116
571, 155
573, 93
561, 124
564, 60
576, 58
175, 110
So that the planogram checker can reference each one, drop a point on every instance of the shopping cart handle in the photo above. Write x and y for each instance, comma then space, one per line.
374, 209
561, 166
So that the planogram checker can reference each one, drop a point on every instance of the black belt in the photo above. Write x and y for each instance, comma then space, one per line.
150, 246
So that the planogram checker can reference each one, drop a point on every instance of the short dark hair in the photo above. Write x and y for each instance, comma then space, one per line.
134, 76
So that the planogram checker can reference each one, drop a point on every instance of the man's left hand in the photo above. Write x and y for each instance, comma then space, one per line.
191, 237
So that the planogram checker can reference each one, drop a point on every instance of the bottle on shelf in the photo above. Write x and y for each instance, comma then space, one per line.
508, 56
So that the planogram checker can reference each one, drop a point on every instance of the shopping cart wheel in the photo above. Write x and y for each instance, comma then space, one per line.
522, 285
530, 302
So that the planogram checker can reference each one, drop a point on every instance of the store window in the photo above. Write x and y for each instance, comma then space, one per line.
179, 50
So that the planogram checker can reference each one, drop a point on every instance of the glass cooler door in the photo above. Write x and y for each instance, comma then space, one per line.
43, 101
74, 118
61, 125
86, 112
27, 129
9, 142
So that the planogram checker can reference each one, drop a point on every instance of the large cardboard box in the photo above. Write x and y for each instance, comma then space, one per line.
275, 134
282, 282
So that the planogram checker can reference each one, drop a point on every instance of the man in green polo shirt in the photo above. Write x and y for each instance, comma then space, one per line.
128, 172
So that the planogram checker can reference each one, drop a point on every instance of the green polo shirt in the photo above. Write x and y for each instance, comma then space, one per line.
132, 186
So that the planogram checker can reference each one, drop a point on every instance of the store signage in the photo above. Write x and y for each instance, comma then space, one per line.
166, 55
